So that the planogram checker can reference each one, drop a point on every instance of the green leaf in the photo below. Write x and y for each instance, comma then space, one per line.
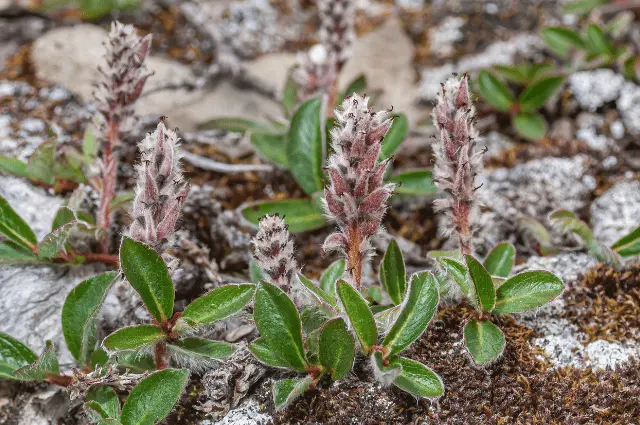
279, 324
300, 214
417, 379
418, 310
374, 294
314, 317
202, 349
13, 356
122, 201
561, 40
287, 390
629, 245
55, 242
414, 183
14, 166
512, 73
89, 144
484, 340
68, 166
393, 274
45, 366
273, 147
12, 253
358, 85
500, 260
304, 146
337, 349
494, 92
133, 337
530, 126
535, 95
104, 400
236, 125
99, 358
135, 361
539, 233
318, 293
80, 315
598, 41
458, 273
218, 304
289, 96
63, 216
359, 315
394, 137
263, 353
41, 163
581, 7
331, 275
153, 398
255, 272
482, 283
14, 228
526, 291
149, 276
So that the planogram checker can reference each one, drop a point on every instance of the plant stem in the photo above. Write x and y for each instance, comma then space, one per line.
109, 176
354, 256
160, 355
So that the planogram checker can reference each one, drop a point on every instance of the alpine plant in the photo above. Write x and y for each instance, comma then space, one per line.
456, 163
337, 28
120, 85
160, 189
273, 250
356, 197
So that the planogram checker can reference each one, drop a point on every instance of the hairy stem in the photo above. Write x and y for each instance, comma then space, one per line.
109, 178
354, 256
160, 355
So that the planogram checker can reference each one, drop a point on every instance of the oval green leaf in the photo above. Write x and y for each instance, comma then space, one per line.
12, 253
458, 272
598, 41
149, 276
629, 245
133, 337
104, 401
13, 166
45, 366
14, 228
200, 349
394, 137
530, 126
561, 39
279, 324
500, 260
154, 397
417, 379
535, 95
482, 284
359, 315
13, 356
263, 353
414, 183
418, 310
300, 214
527, 290
331, 275
80, 315
317, 292
218, 304
494, 92
272, 147
337, 349
304, 146
234, 124
287, 390
484, 341
393, 274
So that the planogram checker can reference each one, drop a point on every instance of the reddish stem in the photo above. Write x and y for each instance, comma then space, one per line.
109, 177
354, 256
160, 355
61, 380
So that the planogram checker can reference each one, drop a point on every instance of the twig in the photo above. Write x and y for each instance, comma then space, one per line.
221, 167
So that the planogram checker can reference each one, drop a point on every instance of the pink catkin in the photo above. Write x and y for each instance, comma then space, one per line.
456, 163
273, 250
356, 198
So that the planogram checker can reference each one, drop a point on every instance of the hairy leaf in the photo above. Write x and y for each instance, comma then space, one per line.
484, 340
287, 390
417, 379
263, 353
300, 214
526, 291
202, 349
393, 274
12, 253
133, 337
45, 366
41, 163
500, 259
272, 147
394, 137
482, 283
359, 315
494, 91
104, 401
154, 397
337, 349
458, 272
149, 276
629, 245
13, 356
14, 228
279, 324
289, 96
331, 275
414, 183
304, 146
316, 291
218, 304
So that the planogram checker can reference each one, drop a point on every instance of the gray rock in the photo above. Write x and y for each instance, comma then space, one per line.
590, 130
32, 300
443, 36
34, 205
629, 107
496, 143
594, 88
615, 213
248, 413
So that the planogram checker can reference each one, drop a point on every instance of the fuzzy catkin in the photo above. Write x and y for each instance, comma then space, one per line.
456, 163
337, 28
356, 197
273, 250
160, 189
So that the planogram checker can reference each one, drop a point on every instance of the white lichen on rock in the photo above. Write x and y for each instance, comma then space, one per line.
592, 89
629, 107
615, 212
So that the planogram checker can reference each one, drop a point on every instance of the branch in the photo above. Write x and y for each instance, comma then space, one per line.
221, 167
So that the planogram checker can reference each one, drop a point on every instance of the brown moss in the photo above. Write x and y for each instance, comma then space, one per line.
606, 304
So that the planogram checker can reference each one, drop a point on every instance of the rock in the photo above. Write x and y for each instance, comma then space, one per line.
629, 107
44, 405
248, 413
532, 189
614, 214
32, 300
70, 56
272, 68
590, 128
496, 143
33, 204
443, 37
498, 53
594, 88
385, 57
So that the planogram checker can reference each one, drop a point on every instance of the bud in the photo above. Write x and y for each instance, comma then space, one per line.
273, 250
